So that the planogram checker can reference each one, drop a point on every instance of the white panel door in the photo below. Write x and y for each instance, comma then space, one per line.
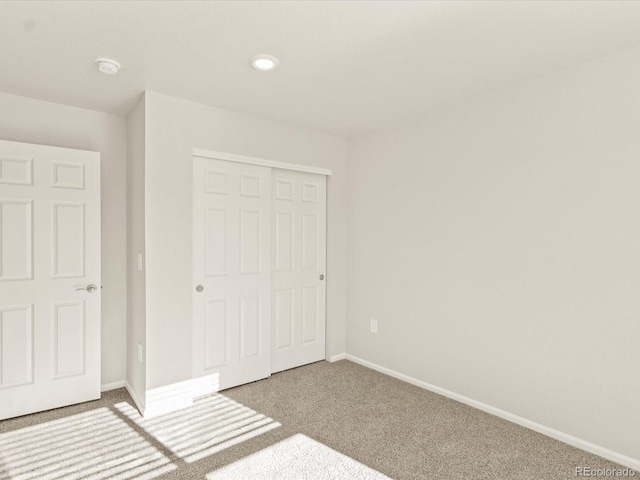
231, 271
299, 263
49, 249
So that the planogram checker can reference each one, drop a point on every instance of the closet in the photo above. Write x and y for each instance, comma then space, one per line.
259, 267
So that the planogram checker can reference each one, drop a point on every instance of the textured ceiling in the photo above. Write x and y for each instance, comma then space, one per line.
347, 68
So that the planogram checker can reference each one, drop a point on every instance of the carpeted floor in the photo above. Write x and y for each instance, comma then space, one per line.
387, 425
294, 458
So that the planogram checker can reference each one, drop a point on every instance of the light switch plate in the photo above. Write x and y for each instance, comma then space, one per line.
373, 325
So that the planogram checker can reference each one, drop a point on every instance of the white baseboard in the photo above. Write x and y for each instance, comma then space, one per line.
112, 386
335, 358
625, 460
176, 396
134, 397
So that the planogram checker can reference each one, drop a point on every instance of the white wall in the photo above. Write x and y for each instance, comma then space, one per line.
34, 121
173, 128
498, 246
136, 312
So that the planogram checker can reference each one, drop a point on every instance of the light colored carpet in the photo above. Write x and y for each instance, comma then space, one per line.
392, 427
94, 444
213, 424
296, 458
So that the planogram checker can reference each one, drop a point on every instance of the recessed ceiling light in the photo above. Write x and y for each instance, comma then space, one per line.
264, 62
107, 65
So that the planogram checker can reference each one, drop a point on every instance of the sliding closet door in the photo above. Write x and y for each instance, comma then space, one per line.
299, 263
231, 271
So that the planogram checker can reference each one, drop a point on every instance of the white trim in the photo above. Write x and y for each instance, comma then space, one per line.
111, 386
176, 396
624, 460
135, 398
232, 157
336, 358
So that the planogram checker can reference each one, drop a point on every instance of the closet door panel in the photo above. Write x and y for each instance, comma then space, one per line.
231, 271
299, 253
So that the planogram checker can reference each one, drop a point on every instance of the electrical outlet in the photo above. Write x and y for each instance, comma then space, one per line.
140, 353
373, 325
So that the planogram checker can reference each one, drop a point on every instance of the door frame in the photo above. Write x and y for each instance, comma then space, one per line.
232, 157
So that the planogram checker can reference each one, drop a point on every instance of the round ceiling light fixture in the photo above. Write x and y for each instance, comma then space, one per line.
107, 65
264, 63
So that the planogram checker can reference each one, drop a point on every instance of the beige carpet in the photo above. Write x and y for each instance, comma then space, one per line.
346, 411
296, 458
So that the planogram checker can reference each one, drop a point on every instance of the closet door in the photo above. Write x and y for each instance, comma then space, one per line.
299, 263
231, 271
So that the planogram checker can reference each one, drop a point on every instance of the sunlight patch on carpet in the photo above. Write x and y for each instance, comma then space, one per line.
212, 424
96, 444
297, 458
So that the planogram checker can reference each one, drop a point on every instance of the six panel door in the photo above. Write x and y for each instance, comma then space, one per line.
299, 263
49, 254
231, 271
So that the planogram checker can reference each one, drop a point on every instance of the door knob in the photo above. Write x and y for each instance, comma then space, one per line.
199, 288
91, 288
321, 277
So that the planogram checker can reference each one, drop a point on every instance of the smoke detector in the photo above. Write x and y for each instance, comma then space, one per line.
107, 65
